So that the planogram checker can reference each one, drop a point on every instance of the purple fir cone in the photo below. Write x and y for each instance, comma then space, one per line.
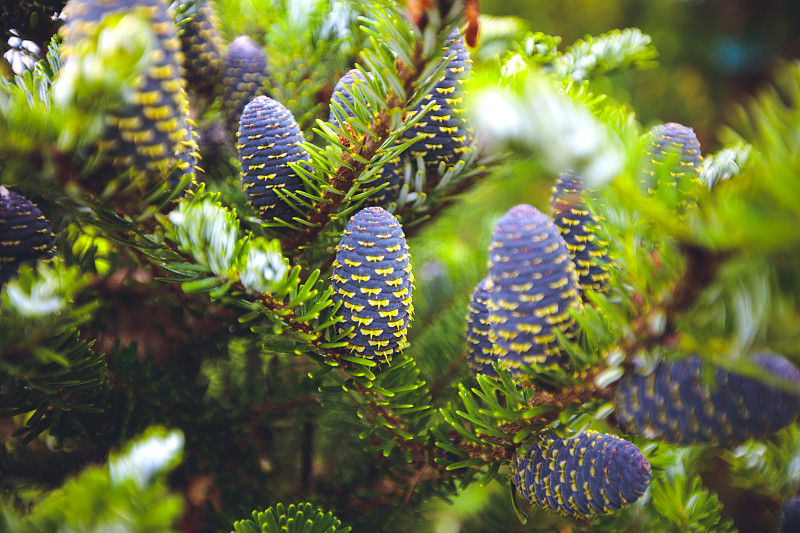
150, 135
583, 476
680, 403
268, 140
534, 287
25, 235
391, 172
479, 330
444, 131
202, 49
575, 221
244, 73
677, 139
373, 280
791, 516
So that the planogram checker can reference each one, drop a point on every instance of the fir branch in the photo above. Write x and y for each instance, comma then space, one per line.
353, 163
454, 195
650, 330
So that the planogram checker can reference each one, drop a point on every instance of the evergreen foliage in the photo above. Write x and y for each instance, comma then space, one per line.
240, 327
293, 519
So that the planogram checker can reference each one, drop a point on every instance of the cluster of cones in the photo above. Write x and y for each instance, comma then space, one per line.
269, 138
540, 268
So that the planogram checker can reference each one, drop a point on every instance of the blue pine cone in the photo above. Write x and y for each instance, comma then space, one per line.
202, 49
392, 171
25, 235
268, 140
583, 476
445, 132
244, 73
673, 138
791, 516
678, 403
574, 221
373, 280
151, 135
479, 330
534, 287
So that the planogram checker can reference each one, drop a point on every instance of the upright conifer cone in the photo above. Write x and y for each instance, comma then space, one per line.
678, 403
245, 70
268, 140
479, 330
673, 138
534, 287
444, 129
574, 219
584, 476
25, 235
392, 171
203, 48
372, 278
343, 93
791, 516
151, 135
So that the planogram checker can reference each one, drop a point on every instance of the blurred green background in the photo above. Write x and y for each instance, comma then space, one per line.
713, 53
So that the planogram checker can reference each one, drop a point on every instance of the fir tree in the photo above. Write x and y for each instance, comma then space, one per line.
235, 297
